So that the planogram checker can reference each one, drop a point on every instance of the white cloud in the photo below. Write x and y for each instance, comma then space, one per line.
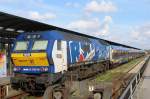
108, 19
41, 16
6, 1
100, 6
105, 25
142, 31
19, 1
85, 24
92, 26
35, 9
71, 4
137, 36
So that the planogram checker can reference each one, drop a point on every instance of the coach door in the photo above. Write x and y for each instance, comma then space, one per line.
59, 55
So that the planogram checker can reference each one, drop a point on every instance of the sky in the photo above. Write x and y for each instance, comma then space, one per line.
123, 21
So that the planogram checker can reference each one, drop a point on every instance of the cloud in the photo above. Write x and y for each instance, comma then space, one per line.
105, 26
19, 1
41, 16
92, 26
140, 35
39, 10
71, 4
136, 36
141, 32
85, 24
100, 6
7, 1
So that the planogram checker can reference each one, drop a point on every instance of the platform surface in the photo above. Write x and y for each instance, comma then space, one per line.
143, 90
4, 80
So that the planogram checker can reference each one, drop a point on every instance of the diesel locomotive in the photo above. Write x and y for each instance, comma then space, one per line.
42, 58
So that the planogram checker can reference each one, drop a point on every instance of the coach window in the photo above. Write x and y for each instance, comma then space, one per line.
59, 45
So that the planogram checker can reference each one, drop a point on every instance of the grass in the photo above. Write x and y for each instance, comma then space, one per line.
111, 75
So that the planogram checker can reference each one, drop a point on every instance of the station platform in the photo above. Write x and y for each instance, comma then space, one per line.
4, 80
143, 89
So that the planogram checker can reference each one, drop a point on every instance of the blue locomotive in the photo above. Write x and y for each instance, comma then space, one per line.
41, 59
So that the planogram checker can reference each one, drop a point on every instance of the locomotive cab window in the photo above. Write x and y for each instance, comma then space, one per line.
21, 45
59, 45
40, 45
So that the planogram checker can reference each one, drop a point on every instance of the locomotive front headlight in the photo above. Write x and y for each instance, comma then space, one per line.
46, 69
15, 69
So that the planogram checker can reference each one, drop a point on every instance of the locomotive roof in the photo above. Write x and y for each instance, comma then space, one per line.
11, 26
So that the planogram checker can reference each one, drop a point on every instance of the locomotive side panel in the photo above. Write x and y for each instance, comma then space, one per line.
83, 49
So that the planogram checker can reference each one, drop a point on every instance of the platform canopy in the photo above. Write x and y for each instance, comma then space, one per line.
12, 25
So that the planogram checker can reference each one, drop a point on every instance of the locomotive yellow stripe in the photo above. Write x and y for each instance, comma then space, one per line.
32, 54
33, 59
17, 55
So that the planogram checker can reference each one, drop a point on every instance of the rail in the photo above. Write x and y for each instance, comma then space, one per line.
129, 90
18, 95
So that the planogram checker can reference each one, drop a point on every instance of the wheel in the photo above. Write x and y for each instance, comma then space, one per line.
57, 95
97, 96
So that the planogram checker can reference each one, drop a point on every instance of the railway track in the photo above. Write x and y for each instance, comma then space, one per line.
17, 95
